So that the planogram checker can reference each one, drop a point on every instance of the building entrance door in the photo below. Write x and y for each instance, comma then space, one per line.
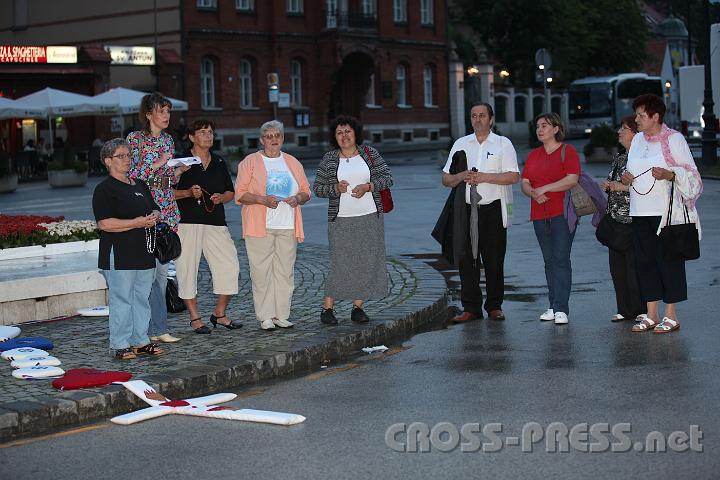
351, 85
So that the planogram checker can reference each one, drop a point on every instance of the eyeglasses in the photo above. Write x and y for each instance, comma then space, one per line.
122, 156
625, 128
209, 133
270, 136
344, 132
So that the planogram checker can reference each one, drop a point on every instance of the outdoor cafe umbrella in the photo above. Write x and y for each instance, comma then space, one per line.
12, 109
66, 104
127, 101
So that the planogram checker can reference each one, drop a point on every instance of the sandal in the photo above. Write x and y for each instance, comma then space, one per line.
202, 329
125, 354
646, 324
149, 349
666, 326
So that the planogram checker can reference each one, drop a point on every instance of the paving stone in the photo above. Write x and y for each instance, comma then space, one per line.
225, 359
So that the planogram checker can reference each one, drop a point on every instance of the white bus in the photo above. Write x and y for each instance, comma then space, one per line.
606, 100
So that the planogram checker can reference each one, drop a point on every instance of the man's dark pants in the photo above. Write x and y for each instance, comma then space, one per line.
491, 249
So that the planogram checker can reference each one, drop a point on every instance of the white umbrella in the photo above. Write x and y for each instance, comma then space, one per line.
67, 104
128, 101
12, 109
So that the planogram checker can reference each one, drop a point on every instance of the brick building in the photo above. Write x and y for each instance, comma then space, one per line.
384, 61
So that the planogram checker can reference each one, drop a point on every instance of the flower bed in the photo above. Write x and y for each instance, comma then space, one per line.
29, 230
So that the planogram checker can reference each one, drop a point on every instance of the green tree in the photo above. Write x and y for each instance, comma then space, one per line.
585, 38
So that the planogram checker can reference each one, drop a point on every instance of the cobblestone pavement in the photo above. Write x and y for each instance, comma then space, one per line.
227, 358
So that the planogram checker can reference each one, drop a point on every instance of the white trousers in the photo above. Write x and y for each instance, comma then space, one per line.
272, 271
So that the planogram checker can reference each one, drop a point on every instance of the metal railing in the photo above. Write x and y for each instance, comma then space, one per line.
343, 20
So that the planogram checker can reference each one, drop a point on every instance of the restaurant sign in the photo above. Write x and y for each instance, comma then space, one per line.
37, 54
131, 55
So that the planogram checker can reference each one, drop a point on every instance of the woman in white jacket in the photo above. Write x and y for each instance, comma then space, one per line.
658, 159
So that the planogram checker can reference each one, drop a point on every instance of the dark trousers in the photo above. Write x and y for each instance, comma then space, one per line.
658, 279
625, 281
491, 255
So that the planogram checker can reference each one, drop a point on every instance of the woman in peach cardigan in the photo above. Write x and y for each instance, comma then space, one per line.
271, 185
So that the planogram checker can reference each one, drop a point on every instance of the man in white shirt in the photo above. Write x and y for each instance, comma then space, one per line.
495, 160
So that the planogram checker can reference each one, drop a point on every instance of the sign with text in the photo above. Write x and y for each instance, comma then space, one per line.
37, 54
131, 55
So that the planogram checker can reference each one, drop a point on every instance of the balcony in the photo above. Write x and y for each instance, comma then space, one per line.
344, 21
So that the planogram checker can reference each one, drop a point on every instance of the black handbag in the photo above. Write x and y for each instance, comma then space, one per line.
167, 243
679, 242
173, 301
614, 234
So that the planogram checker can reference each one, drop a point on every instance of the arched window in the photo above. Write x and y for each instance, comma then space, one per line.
207, 82
400, 81
500, 109
538, 105
295, 82
370, 99
246, 90
520, 103
428, 81
427, 14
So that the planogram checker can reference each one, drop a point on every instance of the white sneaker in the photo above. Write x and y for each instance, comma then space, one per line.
282, 323
267, 325
617, 317
561, 318
548, 315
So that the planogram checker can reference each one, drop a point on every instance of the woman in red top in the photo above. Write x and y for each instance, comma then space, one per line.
545, 179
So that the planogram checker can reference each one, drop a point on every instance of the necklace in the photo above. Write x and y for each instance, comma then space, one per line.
347, 159
651, 187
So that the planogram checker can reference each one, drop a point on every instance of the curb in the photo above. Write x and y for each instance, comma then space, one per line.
73, 408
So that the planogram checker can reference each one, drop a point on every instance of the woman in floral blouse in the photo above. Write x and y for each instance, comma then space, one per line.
152, 147
622, 264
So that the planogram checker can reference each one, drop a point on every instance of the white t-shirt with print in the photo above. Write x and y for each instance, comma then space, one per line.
642, 156
282, 184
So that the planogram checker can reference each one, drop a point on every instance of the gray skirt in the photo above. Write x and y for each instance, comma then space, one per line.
357, 258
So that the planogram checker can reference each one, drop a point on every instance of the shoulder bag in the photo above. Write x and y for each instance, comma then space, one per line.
164, 242
580, 199
612, 233
679, 242
385, 195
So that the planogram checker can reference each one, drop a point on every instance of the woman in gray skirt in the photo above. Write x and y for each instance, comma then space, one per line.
351, 177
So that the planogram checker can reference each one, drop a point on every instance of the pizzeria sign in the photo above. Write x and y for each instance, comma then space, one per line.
37, 54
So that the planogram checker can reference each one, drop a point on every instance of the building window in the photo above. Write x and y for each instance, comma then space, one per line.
501, 108
295, 7
407, 135
400, 11
245, 5
207, 3
207, 82
245, 75
295, 83
371, 101
428, 85
427, 15
400, 80
520, 103
367, 7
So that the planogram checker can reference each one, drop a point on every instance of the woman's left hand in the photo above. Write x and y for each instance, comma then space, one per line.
292, 201
180, 169
360, 190
663, 173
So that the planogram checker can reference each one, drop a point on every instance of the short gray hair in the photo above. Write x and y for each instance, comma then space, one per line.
272, 125
111, 146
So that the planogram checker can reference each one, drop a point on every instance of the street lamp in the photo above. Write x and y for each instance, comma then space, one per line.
709, 135
504, 73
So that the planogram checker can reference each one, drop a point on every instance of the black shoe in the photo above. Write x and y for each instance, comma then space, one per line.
202, 330
327, 316
231, 326
358, 315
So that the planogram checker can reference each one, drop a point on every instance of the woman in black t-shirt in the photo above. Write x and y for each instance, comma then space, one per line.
125, 211
201, 192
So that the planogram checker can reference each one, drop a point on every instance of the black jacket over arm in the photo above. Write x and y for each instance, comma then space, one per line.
451, 229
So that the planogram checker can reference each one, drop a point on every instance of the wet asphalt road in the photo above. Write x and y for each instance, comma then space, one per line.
512, 373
